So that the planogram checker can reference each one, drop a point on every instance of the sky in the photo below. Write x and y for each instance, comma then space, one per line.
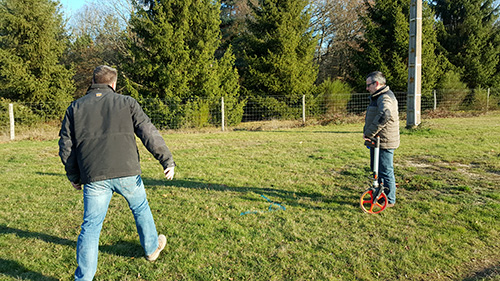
71, 6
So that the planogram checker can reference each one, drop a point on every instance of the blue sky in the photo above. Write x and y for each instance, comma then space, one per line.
73, 5
70, 6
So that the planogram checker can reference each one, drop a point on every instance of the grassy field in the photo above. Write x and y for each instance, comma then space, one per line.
445, 225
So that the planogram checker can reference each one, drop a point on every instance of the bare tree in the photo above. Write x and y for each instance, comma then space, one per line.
99, 32
337, 26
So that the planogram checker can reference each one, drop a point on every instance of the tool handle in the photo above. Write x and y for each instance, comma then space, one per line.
375, 141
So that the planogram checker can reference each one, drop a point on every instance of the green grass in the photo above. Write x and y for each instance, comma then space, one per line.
445, 225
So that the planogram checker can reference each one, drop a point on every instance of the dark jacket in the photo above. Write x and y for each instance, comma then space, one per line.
97, 137
382, 119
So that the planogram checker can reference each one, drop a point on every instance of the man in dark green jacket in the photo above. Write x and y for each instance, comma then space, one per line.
382, 119
98, 148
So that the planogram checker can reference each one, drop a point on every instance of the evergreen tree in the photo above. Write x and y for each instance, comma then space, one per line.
470, 38
278, 51
173, 65
229, 21
386, 42
233, 14
229, 89
31, 43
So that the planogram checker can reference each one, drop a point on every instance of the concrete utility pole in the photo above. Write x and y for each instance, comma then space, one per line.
414, 97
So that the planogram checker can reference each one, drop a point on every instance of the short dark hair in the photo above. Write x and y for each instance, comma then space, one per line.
377, 76
104, 74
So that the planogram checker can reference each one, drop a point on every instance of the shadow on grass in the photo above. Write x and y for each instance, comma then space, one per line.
124, 249
120, 248
324, 132
51, 174
485, 274
299, 132
288, 198
37, 235
17, 271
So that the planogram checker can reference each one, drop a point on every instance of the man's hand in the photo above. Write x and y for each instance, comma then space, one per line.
77, 186
169, 173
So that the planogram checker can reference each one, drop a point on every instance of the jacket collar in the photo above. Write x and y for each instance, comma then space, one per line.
381, 91
100, 87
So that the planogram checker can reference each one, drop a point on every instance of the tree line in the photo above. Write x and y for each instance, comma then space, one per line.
179, 57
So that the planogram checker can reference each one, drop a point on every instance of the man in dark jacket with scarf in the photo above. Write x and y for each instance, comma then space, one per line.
98, 148
382, 119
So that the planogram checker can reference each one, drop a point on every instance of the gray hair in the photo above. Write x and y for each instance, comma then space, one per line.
104, 74
377, 76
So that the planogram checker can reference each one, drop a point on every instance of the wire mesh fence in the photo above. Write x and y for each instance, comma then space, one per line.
214, 112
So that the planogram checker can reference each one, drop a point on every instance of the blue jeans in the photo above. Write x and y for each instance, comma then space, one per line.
96, 198
386, 171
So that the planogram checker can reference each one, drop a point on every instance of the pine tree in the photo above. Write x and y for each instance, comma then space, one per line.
470, 37
386, 42
229, 26
229, 89
232, 15
279, 52
173, 64
31, 43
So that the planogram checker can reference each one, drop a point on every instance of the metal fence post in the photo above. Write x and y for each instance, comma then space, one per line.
435, 99
222, 112
11, 117
488, 100
303, 108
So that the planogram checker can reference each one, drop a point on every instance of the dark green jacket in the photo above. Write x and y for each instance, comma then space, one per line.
382, 119
97, 137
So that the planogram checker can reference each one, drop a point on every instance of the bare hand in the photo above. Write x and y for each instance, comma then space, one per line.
77, 186
169, 173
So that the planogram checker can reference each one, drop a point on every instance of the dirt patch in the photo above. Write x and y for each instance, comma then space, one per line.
447, 167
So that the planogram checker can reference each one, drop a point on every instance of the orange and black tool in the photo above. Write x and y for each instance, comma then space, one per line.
374, 200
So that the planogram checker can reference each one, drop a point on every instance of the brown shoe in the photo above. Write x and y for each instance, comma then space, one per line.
390, 205
162, 241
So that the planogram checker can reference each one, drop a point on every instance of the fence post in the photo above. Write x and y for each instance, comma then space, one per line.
11, 117
435, 99
304, 109
488, 100
222, 112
